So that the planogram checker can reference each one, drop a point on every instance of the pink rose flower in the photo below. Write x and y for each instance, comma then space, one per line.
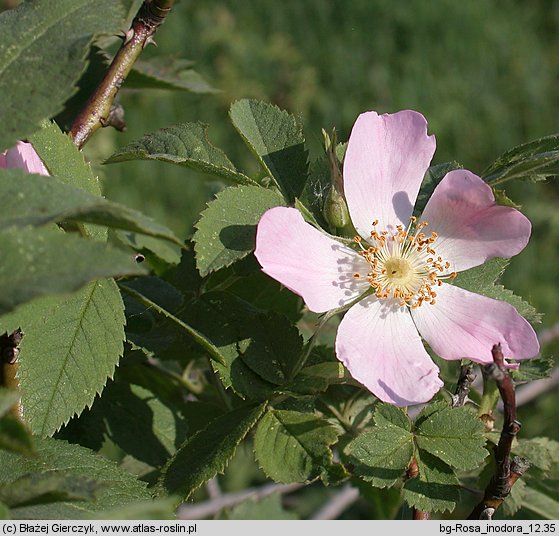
400, 266
23, 156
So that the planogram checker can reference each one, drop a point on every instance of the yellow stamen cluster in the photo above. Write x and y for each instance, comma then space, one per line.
404, 264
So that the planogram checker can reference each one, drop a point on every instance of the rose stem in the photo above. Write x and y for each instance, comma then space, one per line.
97, 110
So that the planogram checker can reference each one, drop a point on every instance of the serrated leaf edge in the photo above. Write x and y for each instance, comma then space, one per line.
110, 376
285, 115
231, 173
329, 453
203, 214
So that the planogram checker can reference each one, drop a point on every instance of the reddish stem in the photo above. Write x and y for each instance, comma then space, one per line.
506, 472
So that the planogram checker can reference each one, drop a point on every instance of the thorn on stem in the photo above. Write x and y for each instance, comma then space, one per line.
487, 513
115, 119
150, 41
96, 112
128, 35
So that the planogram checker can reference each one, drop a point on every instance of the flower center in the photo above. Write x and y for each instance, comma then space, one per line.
398, 270
404, 265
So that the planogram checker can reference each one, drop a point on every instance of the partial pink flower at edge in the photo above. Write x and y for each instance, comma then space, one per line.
23, 156
404, 262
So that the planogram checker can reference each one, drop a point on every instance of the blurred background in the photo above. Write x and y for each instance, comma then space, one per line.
484, 73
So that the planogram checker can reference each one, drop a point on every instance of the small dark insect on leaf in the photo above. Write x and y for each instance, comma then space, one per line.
139, 258
9, 346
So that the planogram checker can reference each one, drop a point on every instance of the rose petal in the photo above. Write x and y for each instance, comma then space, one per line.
384, 164
462, 324
3, 163
23, 156
381, 348
307, 261
471, 227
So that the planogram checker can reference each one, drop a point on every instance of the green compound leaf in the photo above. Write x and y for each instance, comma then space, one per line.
454, 435
481, 280
42, 56
294, 447
167, 73
186, 145
208, 452
34, 200
38, 262
436, 489
117, 487
276, 140
382, 455
226, 230
71, 347
535, 160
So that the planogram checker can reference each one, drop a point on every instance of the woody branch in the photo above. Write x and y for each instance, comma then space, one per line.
507, 472
97, 111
